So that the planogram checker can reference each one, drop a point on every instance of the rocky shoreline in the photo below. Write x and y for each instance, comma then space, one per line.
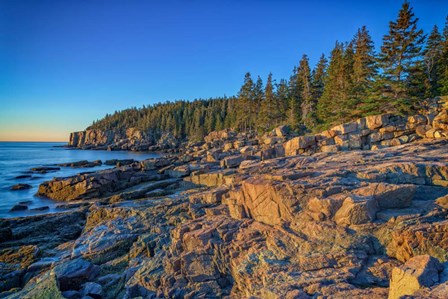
359, 211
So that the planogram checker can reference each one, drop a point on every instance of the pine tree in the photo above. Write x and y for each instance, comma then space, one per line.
432, 62
443, 67
330, 106
318, 77
399, 59
347, 108
307, 104
364, 71
245, 103
294, 100
258, 94
268, 107
282, 103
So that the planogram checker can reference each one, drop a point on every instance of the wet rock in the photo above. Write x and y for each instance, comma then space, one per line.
81, 164
19, 207
24, 176
20, 187
44, 208
45, 169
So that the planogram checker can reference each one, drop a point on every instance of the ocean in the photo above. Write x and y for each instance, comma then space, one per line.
17, 158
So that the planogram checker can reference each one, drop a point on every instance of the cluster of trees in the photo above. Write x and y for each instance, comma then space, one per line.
353, 82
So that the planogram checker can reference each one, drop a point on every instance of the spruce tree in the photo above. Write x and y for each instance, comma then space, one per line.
268, 107
443, 67
399, 59
304, 83
318, 78
330, 106
282, 103
245, 103
294, 101
258, 94
364, 71
347, 103
432, 62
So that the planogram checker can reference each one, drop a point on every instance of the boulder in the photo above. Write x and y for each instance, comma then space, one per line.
211, 179
356, 210
92, 289
179, 171
377, 121
91, 185
419, 272
389, 196
232, 161
345, 128
293, 146
282, 131
73, 273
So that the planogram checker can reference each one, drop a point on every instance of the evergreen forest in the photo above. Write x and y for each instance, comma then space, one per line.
356, 79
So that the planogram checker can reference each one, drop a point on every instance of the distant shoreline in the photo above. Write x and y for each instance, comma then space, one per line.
22, 141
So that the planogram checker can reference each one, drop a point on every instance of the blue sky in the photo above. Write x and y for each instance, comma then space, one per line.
65, 63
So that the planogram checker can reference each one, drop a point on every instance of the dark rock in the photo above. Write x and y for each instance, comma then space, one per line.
26, 202
119, 163
19, 207
92, 289
72, 274
21, 187
81, 164
45, 169
23, 176
72, 294
5, 234
44, 208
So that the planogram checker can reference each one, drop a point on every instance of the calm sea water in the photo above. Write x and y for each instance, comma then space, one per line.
17, 158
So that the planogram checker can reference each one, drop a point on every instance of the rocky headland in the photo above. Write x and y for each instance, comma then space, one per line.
357, 211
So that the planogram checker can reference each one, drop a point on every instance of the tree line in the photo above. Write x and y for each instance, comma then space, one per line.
354, 81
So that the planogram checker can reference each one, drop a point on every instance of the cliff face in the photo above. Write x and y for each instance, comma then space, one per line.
91, 137
130, 139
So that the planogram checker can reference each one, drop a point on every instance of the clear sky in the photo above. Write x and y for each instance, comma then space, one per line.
66, 63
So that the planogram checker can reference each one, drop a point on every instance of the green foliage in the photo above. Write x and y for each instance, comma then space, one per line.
400, 60
332, 105
443, 63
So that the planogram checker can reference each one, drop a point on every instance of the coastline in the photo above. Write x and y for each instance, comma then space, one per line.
225, 215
